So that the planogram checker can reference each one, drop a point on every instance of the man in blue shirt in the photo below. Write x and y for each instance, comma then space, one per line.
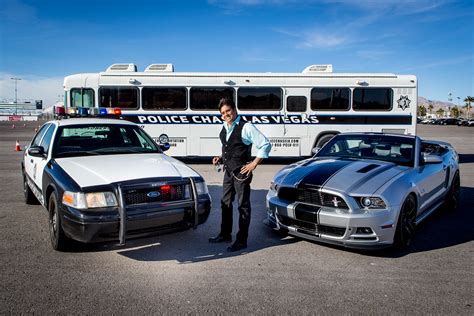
237, 137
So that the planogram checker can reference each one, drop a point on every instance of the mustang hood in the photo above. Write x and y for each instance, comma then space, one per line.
344, 175
97, 170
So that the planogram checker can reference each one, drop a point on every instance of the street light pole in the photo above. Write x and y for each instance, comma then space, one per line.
16, 95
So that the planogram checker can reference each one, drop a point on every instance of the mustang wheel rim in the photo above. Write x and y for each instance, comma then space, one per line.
408, 220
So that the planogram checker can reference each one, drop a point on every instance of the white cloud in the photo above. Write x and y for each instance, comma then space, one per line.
50, 90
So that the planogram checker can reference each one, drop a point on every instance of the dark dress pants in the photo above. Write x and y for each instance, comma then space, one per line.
231, 187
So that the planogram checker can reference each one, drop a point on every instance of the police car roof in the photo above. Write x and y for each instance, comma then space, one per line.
87, 121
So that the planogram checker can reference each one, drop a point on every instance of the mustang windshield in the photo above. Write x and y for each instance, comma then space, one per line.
102, 139
399, 150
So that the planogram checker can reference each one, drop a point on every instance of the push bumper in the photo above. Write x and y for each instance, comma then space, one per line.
105, 224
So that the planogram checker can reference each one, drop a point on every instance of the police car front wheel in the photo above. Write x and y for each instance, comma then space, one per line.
59, 240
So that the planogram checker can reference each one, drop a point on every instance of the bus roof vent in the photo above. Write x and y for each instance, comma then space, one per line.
160, 68
318, 68
122, 67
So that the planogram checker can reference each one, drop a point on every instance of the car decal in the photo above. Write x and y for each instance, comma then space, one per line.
320, 173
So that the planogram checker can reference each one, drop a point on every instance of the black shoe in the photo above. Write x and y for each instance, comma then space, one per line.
236, 246
220, 238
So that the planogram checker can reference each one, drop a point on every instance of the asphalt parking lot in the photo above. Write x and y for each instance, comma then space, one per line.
183, 273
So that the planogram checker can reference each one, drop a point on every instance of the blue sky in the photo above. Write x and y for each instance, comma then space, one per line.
43, 41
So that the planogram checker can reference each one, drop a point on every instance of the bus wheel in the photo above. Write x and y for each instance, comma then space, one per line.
323, 140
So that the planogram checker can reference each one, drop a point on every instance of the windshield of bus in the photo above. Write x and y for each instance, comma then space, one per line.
399, 150
102, 139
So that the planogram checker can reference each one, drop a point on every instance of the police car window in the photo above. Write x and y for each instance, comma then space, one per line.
36, 140
98, 139
46, 142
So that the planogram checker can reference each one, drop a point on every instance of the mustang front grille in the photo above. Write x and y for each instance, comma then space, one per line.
312, 196
312, 228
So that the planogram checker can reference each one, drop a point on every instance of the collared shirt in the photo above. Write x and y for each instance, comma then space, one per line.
251, 135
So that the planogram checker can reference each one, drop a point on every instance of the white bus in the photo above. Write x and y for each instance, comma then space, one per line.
296, 111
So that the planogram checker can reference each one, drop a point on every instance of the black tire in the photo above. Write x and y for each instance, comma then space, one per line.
30, 198
406, 224
59, 241
451, 201
323, 140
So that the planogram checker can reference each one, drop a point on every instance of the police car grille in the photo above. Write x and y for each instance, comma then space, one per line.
152, 195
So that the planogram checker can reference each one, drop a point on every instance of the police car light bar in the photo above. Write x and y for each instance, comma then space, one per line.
61, 111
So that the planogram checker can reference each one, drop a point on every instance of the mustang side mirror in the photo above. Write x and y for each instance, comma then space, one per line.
431, 159
164, 146
36, 151
315, 150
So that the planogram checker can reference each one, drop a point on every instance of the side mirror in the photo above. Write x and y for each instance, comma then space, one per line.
315, 150
36, 151
164, 146
431, 159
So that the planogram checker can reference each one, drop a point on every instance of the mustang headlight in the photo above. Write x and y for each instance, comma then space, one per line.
371, 202
273, 186
89, 200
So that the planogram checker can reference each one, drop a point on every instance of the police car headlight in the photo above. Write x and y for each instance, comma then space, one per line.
201, 188
89, 200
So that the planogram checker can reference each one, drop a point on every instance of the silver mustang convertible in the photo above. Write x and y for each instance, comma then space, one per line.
364, 190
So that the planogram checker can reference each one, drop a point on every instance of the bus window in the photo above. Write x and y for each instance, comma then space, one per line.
333, 99
296, 104
372, 99
257, 99
208, 98
163, 99
121, 97
81, 97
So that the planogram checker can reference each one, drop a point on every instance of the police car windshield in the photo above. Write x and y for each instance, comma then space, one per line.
399, 150
102, 139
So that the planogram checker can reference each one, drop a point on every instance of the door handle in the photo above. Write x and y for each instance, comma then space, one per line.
31, 160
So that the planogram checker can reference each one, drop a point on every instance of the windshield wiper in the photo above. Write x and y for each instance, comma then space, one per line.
77, 153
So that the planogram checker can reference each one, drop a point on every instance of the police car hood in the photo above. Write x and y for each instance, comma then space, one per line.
97, 170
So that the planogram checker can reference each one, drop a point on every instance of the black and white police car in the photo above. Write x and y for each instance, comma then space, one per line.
106, 179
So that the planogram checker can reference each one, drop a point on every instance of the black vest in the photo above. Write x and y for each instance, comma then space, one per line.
235, 153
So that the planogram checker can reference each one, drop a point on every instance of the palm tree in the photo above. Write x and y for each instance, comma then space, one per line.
430, 107
468, 101
440, 112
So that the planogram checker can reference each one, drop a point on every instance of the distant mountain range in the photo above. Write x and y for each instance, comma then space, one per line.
440, 104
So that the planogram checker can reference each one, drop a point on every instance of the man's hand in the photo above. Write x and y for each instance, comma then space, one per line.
248, 168
216, 160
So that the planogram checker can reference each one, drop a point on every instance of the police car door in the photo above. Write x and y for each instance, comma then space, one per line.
28, 160
39, 163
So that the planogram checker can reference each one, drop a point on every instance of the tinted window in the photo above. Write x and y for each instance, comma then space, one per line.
36, 140
296, 104
82, 98
164, 98
119, 97
256, 99
102, 139
208, 98
335, 99
372, 99
46, 142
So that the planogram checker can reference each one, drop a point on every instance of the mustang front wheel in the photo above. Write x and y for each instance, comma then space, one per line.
406, 223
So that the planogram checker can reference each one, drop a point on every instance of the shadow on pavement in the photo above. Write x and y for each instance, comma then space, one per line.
444, 228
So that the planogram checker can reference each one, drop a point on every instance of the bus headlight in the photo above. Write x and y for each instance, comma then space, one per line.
81, 200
